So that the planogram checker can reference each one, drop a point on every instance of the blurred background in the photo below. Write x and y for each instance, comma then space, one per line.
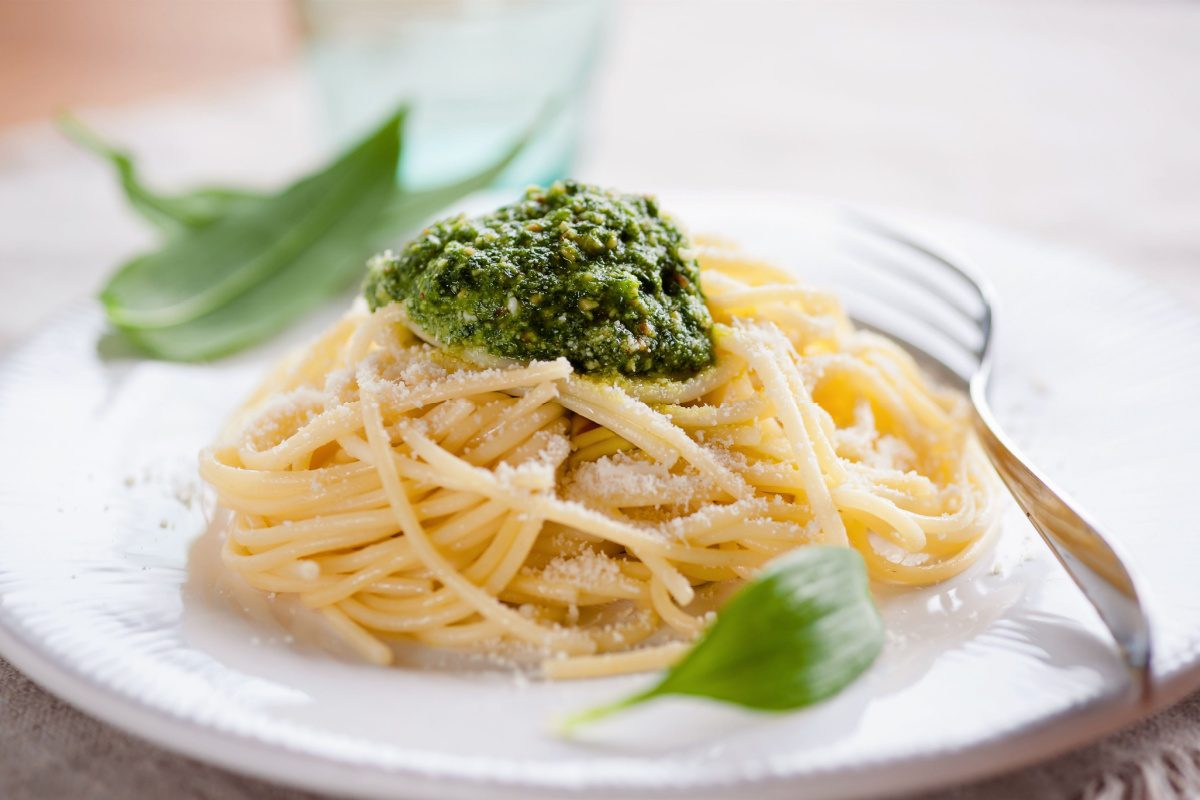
1071, 121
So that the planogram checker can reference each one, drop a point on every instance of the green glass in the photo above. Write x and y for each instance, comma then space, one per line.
476, 75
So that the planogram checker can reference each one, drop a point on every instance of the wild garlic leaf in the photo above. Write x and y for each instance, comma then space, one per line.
171, 214
325, 267
408, 208
192, 276
286, 294
800, 632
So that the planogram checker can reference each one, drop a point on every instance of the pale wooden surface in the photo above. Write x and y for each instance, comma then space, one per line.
1075, 122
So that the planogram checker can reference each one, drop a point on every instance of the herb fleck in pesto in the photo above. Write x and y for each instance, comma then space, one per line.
602, 278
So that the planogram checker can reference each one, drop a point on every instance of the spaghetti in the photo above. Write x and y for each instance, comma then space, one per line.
404, 492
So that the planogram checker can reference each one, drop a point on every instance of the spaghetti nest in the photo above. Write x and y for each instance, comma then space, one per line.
404, 492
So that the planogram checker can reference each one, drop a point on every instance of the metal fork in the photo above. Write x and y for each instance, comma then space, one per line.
940, 308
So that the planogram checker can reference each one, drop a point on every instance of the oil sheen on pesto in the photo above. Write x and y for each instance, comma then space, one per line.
602, 278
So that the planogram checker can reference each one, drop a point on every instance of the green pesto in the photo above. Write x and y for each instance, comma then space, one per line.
602, 278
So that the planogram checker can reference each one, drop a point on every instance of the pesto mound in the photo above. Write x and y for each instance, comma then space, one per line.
601, 278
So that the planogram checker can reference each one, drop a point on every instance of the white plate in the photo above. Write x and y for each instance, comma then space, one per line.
100, 506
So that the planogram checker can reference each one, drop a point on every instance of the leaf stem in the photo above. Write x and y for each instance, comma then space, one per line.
567, 726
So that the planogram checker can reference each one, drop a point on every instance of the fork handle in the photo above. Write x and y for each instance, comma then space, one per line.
1091, 558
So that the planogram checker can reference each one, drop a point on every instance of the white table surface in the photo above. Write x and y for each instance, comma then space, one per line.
1075, 122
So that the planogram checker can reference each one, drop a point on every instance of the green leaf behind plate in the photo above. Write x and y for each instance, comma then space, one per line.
171, 214
194, 275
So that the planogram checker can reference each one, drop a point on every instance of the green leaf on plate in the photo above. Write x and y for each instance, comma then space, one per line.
800, 632
172, 214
